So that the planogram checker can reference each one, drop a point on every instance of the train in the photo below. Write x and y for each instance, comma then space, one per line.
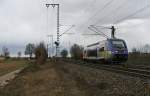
111, 50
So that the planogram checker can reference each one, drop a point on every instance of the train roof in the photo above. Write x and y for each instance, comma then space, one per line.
114, 39
103, 41
95, 43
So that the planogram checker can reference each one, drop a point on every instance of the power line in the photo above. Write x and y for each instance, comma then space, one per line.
67, 31
132, 25
99, 11
89, 5
138, 11
91, 34
100, 31
97, 31
86, 9
102, 27
118, 8
106, 5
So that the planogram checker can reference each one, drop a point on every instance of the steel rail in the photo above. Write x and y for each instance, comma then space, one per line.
135, 72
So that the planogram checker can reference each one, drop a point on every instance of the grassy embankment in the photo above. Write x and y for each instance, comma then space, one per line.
139, 59
10, 65
35, 80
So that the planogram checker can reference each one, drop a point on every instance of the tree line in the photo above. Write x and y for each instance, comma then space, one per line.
75, 51
141, 49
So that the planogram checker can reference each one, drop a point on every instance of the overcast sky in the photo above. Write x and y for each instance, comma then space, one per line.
26, 21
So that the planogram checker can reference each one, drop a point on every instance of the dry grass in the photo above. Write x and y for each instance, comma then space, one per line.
139, 59
61, 79
10, 65
35, 80
47, 80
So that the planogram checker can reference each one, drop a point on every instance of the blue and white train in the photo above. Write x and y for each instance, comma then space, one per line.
110, 50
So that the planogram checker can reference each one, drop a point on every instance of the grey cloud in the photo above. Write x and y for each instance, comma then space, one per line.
24, 21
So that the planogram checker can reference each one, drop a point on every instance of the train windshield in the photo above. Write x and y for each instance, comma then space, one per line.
118, 44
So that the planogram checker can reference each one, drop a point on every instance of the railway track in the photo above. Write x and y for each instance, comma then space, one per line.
132, 71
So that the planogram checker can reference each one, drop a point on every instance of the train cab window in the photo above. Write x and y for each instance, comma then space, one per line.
118, 44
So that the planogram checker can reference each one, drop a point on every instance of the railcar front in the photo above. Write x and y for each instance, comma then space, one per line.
119, 50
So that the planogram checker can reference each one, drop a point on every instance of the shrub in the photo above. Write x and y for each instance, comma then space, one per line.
64, 53
41, 53
76, 51
29, 50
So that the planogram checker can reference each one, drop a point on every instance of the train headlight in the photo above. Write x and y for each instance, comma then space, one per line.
112, 52
116, 51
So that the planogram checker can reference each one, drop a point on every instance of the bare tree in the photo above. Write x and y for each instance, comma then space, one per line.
134, 50
76, 51
5, 52
19, 54
146, 48
64, 53
41, 53
29, 50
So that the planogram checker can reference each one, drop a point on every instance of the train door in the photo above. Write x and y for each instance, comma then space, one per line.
98, 55
98, 51
84, 54
101, 51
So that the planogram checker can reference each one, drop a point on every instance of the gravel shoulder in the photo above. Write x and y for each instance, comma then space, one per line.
106, 83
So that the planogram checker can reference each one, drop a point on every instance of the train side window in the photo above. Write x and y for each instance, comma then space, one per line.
102, 49
106, 44
84, 52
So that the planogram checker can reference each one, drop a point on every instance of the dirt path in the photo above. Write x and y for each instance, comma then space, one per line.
4, 80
